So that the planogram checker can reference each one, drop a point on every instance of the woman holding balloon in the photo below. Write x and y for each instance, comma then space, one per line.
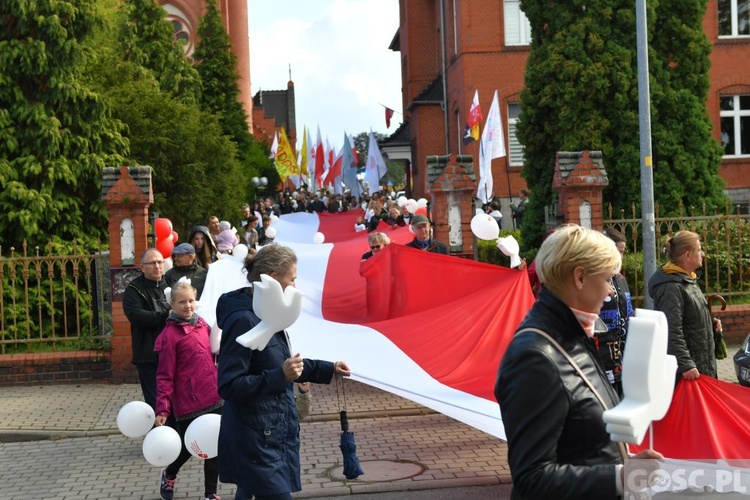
186, 382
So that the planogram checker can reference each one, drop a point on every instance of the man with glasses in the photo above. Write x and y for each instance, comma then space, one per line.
147, 309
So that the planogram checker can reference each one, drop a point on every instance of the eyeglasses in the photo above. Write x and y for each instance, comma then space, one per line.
153, 263
375, 247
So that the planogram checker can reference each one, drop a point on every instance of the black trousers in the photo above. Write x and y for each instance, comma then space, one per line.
210, 466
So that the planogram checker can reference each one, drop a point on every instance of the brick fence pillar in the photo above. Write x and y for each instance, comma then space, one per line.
579, 181
452, 182
128, 194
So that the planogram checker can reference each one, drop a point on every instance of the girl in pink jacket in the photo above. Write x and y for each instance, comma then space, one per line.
186, 381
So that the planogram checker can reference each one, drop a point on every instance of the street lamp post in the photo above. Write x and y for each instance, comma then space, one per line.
260, 184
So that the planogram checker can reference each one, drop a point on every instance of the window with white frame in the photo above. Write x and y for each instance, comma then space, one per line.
735, 124
734, 17
515, 148
517, 27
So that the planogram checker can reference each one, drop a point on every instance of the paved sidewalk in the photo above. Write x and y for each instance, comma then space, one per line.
62, 442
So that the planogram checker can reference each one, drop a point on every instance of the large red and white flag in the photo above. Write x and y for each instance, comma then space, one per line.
433, 328
430, 328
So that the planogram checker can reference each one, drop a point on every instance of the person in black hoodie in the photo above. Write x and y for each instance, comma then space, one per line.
206, 252
147, 310
259, 433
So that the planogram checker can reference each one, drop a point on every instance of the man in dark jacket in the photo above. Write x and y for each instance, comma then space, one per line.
185, 266
147, 309
423, 240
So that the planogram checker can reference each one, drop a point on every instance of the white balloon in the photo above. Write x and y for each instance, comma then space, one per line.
135, 419
271, 232
484, 227
202, 436
411, 205
214, 339
239, 252
161, 446
401, 201
422, 202
319, 238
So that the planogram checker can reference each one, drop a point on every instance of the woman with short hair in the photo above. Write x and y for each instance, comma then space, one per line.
558, 445
377, 242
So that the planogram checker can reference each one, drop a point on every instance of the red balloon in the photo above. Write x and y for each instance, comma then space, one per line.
421, 211
165, 246
175, 236
163, 228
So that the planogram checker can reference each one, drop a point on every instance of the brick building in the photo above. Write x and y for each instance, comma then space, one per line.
484, 46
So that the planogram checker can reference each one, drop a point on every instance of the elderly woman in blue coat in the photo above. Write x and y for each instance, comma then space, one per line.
259, 434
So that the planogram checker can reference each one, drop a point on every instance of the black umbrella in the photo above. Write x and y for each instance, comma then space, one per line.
352, 469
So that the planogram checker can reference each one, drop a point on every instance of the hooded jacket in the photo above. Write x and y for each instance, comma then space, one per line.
208, 241
186, 376
259, 433
691, 337
558, 445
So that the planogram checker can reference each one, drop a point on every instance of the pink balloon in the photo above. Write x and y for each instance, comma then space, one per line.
421, 211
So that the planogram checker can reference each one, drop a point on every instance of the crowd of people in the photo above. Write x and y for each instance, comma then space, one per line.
558, 445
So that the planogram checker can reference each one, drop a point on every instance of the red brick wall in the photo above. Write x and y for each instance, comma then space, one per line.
56, 367
736, 323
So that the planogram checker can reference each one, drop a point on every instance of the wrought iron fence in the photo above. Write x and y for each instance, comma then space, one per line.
725, 238
54, 302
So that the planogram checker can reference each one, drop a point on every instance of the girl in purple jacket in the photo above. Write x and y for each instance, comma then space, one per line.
186, 381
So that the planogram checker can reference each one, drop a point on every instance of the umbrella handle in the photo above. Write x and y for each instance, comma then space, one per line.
344, 421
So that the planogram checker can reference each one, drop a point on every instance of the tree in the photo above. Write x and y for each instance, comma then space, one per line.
582, 93
215, 63
56, 135
148, 41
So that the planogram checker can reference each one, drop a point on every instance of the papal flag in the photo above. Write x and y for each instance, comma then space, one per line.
286, 160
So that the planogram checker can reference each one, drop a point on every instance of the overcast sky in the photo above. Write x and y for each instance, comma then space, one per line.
341, 65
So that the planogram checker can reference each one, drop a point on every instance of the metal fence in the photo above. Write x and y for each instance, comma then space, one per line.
725, 237
54, 302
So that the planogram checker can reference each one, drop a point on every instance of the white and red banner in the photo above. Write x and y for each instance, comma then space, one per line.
430, 328
433, 328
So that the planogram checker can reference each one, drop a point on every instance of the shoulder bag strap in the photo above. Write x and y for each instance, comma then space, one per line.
621, 446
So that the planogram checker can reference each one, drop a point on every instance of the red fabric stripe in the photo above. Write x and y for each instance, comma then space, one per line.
452, 316
707, 420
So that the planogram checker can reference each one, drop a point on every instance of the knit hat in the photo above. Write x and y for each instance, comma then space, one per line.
183, 249
226, 240
224, 225
419, 220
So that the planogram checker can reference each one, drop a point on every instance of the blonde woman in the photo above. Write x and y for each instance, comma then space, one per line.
558, 446
377, 242
676, 293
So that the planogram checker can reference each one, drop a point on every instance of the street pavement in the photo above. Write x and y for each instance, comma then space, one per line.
62, 442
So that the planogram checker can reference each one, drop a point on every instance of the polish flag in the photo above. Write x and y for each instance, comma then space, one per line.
430, 328
433, 328
320, 160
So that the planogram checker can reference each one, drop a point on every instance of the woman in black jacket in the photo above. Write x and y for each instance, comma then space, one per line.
558, 446
676, 293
